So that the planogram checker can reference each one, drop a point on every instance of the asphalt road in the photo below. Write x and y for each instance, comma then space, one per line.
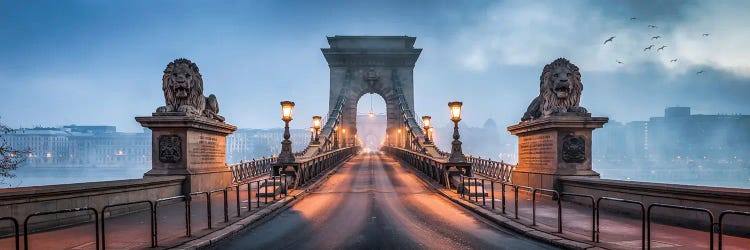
373, 202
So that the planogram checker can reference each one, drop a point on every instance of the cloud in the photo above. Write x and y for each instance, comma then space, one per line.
527, 33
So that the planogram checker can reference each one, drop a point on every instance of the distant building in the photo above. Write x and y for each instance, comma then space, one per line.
678, 135
103, 146
485, 141
248, 144
682, 135
82, 146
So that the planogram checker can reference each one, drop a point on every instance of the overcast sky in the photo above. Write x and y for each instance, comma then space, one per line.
93, 62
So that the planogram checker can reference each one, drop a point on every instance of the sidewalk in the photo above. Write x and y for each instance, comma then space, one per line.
617, 230
132, 231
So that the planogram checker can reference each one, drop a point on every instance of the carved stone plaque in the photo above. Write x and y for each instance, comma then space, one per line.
170, 148
536, 150
574, 149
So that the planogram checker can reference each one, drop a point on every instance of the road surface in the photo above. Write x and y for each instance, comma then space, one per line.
373, 202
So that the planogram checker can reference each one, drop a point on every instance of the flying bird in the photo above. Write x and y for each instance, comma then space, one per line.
609, 40
618, 61
649, 47
655, 37
652, 26
673, 60
705, 34
661, 48
699, 72
633, 18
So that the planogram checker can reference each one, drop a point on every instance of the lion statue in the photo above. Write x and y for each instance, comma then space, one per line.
559, 91
183, 91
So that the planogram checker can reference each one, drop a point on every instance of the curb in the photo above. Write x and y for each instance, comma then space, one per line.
213, 238
552, 239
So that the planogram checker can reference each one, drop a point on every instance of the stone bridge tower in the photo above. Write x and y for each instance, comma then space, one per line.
382, 65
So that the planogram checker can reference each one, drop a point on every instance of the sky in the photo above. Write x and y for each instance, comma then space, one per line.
101, 62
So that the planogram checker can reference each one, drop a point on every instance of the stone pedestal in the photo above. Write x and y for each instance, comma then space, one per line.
554, 146
194, 147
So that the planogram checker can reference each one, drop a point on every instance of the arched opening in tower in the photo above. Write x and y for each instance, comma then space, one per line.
371, 122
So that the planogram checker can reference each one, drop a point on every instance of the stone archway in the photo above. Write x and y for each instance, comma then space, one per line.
382, 65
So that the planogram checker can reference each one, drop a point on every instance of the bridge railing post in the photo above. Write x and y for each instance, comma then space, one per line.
103, 212
643, 216
593, 211
16, 233
72, 210
703, 210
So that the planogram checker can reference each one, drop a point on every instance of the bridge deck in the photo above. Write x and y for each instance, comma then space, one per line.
374, 202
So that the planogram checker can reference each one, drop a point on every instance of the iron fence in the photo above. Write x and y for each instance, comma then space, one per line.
593, 211
72, 210
15, 230
703, 210
151, 220
721, 224
186, 199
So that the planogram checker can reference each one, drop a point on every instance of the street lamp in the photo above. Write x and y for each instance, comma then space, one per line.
426, 122
287, 110
343, 138
316, 126
335, 137
399, 138
457, 154
312, 135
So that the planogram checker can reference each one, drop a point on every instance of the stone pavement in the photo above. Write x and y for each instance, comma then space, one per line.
617, 230
132, 231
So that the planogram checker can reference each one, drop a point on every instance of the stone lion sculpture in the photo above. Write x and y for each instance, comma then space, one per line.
559, 91
183, 91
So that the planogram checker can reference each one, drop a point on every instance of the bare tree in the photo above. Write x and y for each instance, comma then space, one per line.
10, 158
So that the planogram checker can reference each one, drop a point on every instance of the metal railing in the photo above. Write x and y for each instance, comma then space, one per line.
186, 199
246, 170
313, 166
643, 216
556, 196
15, 230
593, 211
72, 210
721, 224
433, 168
710, 224
498, 170
151, 220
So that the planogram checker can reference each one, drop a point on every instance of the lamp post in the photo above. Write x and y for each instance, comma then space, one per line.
398, 144
335, 137
457, 154
316, 127
312, 135
344, 143
426, 122
287, 110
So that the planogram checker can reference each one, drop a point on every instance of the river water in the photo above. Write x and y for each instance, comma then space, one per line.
36, 176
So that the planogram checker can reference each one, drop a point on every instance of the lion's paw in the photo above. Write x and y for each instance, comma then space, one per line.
558, 109
577, 109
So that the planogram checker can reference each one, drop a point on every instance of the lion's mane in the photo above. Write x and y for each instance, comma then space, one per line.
195, 96
546, 86
548, 103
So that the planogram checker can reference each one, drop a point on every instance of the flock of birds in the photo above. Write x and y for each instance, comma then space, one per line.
657, 37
